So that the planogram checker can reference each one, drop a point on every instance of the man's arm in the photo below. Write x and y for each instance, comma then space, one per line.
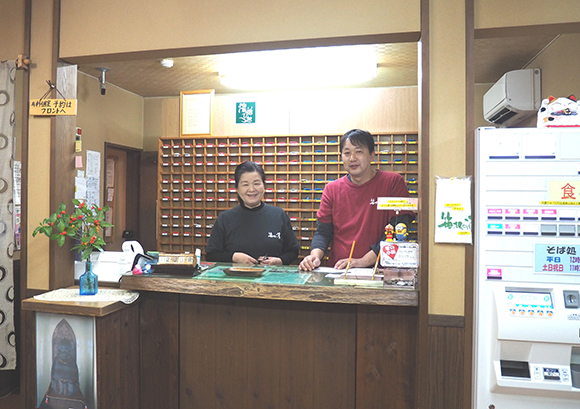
320, 240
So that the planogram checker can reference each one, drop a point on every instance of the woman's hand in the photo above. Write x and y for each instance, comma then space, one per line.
243, 258
270, 261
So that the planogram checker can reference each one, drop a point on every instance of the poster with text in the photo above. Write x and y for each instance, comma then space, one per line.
453, 210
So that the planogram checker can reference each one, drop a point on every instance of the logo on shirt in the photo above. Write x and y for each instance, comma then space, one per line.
274, 236
373, 202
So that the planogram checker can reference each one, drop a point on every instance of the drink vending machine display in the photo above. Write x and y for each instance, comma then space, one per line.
527, 266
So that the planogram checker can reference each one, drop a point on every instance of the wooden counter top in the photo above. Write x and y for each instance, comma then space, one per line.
243, 289
91, 309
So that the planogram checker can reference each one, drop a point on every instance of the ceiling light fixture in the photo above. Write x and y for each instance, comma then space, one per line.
167, 63
299, 68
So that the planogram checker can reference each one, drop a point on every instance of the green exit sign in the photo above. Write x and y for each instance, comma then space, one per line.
245, 112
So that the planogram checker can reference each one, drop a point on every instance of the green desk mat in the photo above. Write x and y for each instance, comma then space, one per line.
272, 275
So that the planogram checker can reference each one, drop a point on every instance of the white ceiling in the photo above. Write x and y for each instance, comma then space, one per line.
397, 66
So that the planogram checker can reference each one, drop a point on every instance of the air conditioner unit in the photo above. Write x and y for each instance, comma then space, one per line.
516, 96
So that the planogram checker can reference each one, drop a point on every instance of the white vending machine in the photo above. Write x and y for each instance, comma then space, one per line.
527, 266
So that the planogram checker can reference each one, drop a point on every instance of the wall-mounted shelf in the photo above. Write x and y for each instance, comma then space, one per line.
196, 180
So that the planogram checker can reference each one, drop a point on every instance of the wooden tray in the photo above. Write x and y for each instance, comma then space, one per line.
244, 271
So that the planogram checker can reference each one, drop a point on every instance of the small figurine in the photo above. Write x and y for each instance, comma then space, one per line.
389, 232
401, 232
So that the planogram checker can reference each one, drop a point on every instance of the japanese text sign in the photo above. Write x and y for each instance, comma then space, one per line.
50, 107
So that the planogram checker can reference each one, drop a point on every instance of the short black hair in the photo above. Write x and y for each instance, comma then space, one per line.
248, 167
359, 138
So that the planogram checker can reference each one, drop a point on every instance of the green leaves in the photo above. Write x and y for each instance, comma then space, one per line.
85, 224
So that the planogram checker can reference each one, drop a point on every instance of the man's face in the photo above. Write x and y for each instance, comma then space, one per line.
357, 160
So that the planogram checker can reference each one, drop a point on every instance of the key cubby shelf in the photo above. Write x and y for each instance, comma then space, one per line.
196, 180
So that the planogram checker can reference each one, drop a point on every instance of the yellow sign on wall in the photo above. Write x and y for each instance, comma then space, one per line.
563, 192
49, 107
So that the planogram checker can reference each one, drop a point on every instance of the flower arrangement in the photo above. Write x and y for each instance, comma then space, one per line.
84, 224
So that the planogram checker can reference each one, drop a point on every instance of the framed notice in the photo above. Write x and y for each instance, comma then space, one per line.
196, 112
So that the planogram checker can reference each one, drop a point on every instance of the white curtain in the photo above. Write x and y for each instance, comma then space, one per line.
7, 242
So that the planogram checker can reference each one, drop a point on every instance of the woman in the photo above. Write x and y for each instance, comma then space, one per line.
252, 232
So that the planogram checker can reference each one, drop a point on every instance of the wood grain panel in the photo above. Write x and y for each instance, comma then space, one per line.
198, 349
386, 350
334, 357
244, 353
108, 350
446, 368
118, 359
170, 117
264, 350
231, 357
160, 351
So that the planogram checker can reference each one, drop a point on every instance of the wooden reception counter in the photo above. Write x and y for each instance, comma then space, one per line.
282, 340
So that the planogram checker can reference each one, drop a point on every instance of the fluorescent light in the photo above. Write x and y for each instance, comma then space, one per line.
299, 68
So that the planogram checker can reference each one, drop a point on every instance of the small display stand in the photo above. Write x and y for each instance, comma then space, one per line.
82, 354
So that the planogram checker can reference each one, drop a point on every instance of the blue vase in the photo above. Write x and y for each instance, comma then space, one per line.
89, 281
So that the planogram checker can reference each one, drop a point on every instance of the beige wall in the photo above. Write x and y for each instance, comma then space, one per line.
116, 117
39, 134
502, 13
315, 112
447, 135
11, 29
560, 65
173, 24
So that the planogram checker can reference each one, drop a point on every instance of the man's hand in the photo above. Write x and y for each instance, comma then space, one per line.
366, 261
309, 263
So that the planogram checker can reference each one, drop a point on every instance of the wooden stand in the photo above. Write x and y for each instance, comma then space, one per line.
116, 345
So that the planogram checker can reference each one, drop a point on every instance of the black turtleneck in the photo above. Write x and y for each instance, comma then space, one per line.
261, 231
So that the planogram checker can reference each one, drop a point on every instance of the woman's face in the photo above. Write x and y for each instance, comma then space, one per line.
251, 189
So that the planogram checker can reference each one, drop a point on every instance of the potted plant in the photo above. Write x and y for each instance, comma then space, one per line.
85, 225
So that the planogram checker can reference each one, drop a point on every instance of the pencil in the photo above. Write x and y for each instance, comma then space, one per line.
349, 259
376, 264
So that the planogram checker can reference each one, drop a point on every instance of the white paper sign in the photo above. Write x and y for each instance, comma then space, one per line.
93, 164
453, 210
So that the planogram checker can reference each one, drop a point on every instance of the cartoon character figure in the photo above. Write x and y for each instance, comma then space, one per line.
389, 232
558, 112
401, 232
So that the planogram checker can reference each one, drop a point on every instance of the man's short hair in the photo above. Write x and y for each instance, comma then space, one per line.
358, 138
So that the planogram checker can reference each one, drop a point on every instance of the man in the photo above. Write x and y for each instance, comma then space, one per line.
348, 209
